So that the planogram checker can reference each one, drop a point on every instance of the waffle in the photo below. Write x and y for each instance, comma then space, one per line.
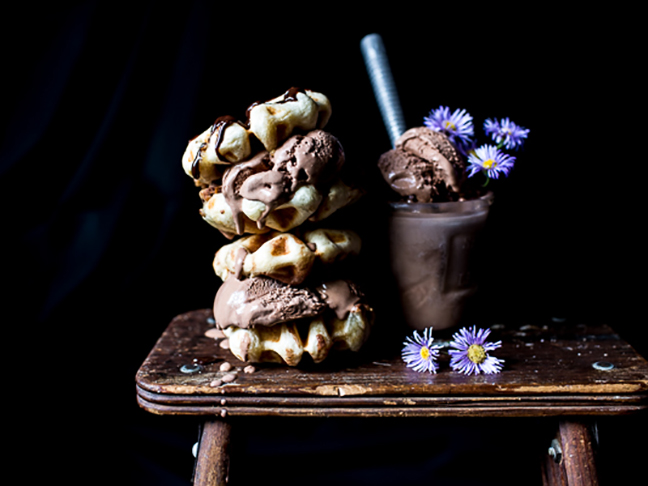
338, 196
218, 214
260, 181
306, 204
224, 143
274, 121
228, 141
284, 256
281, 256
284, 343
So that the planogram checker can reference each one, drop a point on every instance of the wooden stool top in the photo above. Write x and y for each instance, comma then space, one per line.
554, 370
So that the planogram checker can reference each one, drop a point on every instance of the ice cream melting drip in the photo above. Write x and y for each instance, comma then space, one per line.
341, 296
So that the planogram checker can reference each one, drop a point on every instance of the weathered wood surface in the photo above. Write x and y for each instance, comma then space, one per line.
572, 462
213, 459
549, 370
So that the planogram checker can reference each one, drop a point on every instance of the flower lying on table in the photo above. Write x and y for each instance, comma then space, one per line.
419, 353
470, 355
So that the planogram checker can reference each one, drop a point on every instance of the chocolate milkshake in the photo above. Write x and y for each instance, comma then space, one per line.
433, 228
438, 208
432, 246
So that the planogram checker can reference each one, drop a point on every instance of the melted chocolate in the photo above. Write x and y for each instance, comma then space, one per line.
272, 188
219, 126
290, 95
195, 165
241, 254
341, 296
262, 301
234, 177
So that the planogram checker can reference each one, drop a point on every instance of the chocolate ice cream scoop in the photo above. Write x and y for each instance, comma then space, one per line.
424, 166
314, 158
272, 178
235, 177
341, 296
262, 301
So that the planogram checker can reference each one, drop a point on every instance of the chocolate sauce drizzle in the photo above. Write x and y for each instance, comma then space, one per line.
290, 95
219, 126
195, 165
223, 122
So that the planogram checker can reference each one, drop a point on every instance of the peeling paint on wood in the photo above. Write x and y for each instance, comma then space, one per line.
340, 390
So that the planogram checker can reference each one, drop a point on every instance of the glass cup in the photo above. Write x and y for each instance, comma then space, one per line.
432, 247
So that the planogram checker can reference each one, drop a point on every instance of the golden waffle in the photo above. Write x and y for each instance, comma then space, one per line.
284, 343
283, 256
274, 121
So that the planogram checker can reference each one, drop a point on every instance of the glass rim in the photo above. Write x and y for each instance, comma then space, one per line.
469, 205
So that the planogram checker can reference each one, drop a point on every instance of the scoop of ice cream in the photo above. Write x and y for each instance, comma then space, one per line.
262, 301
274, 178
234, 178
340, 295
424, 166
314, 158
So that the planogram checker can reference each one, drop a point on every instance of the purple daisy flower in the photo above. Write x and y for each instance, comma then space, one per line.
470, 355
457, 126
490, 160
506, 133
419, 353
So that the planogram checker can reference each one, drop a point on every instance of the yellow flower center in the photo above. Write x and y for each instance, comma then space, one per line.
450, 125
489, 164
425, 353
476, 353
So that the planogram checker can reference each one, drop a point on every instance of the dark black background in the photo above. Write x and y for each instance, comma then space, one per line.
103, 244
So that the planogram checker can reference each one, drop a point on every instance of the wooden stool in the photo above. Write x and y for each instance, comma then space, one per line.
570, 373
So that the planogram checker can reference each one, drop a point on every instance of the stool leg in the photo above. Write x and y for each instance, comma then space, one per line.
212, 459
571, 462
